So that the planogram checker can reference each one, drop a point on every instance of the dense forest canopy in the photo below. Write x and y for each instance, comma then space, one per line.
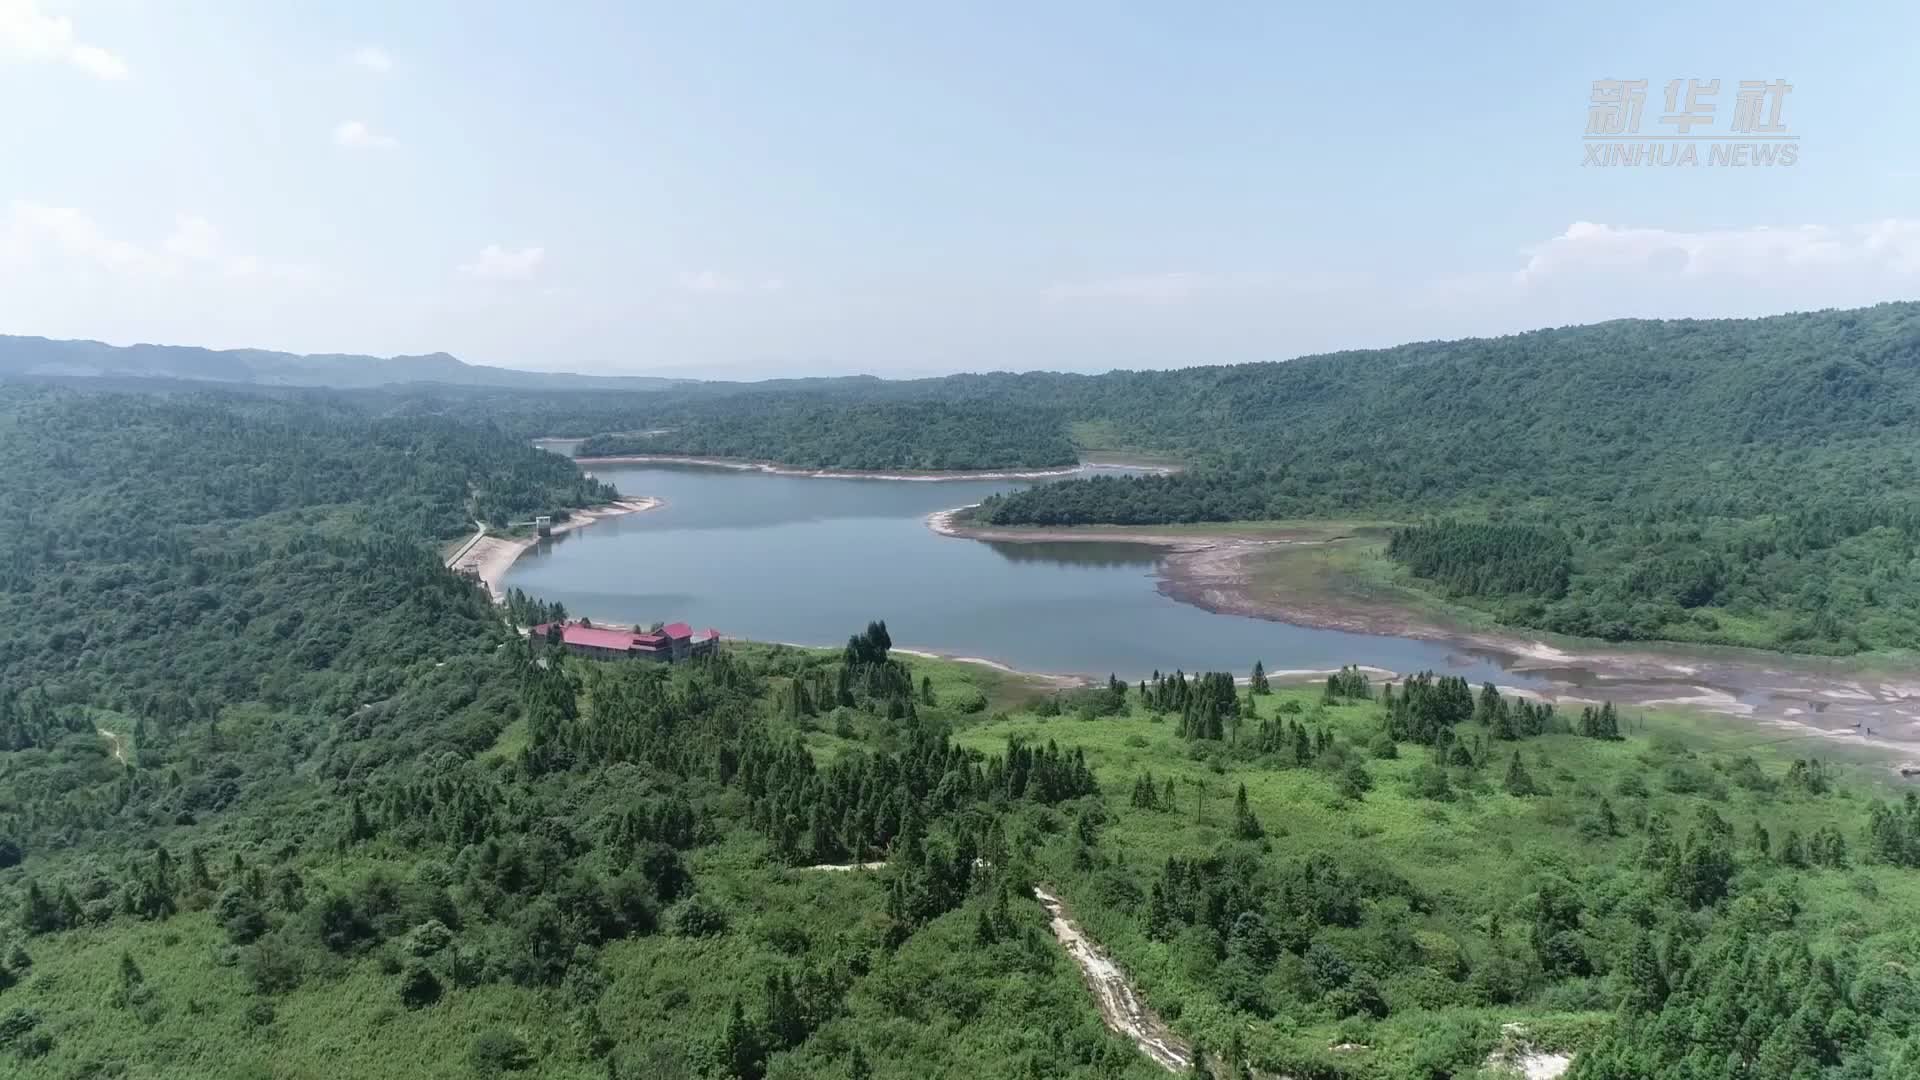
919, 435
211, 544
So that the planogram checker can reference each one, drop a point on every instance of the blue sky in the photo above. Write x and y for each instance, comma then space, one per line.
756, 189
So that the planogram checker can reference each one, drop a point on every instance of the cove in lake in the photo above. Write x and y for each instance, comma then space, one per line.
810, 561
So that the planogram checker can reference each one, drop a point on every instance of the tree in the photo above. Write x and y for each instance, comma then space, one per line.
130, 973
1518, 782
419, 987
495, 1052
1259, 682
1643, 985
1245, 825
741, 1052
240, 914
786, 1019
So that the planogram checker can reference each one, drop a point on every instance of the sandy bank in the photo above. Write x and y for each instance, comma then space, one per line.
490, 557
1065, 682
778, 469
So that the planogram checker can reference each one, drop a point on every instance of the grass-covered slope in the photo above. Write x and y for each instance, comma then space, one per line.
1681, 901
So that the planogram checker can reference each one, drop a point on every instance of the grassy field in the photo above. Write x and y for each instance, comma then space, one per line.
1444, 886
1475, 858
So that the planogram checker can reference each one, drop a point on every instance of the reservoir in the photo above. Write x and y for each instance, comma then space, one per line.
811, 561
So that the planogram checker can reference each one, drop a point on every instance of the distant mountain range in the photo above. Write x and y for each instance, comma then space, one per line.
36, 356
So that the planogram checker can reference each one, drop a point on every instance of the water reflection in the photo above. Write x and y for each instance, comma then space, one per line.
1099, 554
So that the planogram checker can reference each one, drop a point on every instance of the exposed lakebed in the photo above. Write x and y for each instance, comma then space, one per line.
809, 560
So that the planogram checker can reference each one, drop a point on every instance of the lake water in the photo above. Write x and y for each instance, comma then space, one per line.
810, 561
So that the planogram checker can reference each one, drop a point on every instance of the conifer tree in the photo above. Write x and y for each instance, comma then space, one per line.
1518, 781
1245, 825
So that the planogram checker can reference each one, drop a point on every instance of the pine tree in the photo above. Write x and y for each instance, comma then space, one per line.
1245, 825
1259, 684
130, 973
786, 1020
1644, 987
741, 1053
983, 935
358, 827
197, 875
1609, 821
1518, 782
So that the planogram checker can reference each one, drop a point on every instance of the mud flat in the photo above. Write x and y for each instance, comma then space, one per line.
1217, 570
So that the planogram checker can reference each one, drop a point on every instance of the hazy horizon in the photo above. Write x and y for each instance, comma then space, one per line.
746, 193
695, 372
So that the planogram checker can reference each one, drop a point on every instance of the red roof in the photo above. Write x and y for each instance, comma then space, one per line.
599, 637
594, 637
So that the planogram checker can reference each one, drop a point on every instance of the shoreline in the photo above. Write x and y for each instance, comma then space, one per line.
1060, 682
1817, 697
930, 476
488, 558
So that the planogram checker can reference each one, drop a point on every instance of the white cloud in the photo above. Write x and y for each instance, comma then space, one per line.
29, 34
371, 57
1182, 285
35, 237
1592, 272
193, 237
498, 264
355, 135
34, 232
715, 282
1758, 252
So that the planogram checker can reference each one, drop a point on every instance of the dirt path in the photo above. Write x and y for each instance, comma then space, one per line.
1113, 993
116, 744
1119, 1003
459, 553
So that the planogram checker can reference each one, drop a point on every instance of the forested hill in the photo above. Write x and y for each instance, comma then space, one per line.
928, 435
201, 545
1746, 481
37, 356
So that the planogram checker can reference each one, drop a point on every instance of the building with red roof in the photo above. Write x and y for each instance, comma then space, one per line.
675, 641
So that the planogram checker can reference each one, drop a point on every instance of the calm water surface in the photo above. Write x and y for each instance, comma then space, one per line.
805, 560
